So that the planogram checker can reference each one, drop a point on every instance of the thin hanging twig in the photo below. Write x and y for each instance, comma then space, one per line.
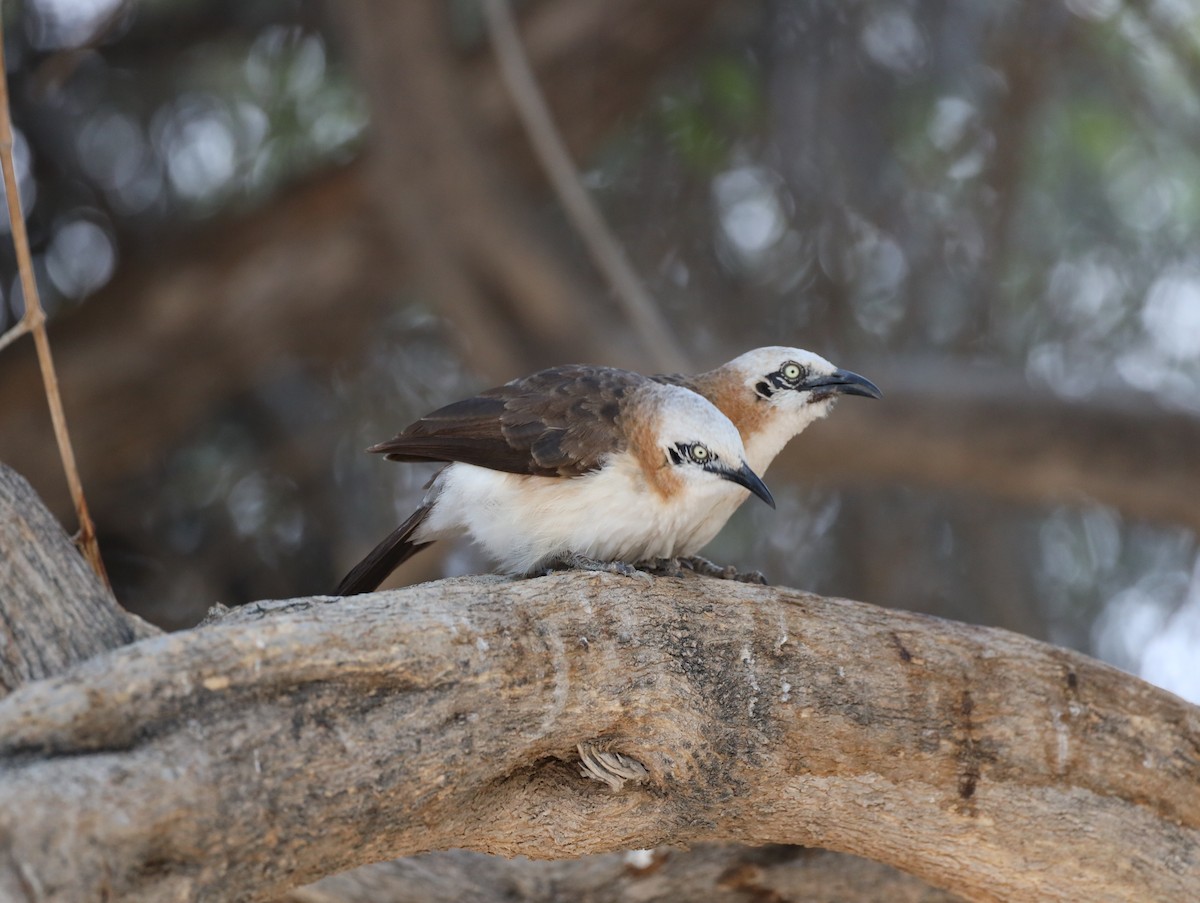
34, 321
606, 252
13, 334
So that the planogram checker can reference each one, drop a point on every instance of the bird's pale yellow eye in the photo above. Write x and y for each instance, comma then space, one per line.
699, 453
791, 371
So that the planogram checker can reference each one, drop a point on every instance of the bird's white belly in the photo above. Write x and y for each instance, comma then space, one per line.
608, 514
702, 530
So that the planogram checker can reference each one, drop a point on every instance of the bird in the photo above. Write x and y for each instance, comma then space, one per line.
574, 466
771, 395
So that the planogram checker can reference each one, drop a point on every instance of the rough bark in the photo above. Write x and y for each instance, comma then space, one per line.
732, 874
55, 612
294, 739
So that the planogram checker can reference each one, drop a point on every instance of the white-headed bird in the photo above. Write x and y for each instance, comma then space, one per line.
574, 466
771, 394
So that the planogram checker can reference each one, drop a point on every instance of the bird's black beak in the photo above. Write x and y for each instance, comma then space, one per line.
843, 382
752, 481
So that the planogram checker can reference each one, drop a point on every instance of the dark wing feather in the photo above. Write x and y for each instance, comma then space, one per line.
396, 548
674, 379
467, 431
558, 422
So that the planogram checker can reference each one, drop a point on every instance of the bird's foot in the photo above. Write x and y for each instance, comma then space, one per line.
662, 567
706, 568
572, 561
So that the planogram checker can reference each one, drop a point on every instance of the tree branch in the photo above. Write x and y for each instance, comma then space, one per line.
295, 739
314, 270
639, 308
34, 320
949, 426
510, 298
735, 874
297, 269
55, 612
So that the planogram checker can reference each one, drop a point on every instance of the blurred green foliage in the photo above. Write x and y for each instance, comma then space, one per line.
704, 118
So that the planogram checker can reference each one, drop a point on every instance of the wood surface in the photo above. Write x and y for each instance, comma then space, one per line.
287, 741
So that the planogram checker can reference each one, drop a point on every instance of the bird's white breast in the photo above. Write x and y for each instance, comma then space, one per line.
609, 514
765, 443
762, 447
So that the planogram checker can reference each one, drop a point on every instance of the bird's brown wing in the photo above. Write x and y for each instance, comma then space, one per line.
558, 422
674, 379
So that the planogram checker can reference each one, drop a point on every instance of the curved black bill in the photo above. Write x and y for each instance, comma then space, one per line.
844, 382
752, 481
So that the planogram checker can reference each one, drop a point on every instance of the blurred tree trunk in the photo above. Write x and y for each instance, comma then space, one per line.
170, 341
309, 278
508, 297
944, 425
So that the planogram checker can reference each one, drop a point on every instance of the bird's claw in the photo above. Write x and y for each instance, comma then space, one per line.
706, 568
662, 567
572, 561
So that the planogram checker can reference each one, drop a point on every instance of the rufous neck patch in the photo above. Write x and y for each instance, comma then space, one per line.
729, 392
642, 427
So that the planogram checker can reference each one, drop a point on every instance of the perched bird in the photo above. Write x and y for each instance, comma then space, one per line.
771, 394
573, 466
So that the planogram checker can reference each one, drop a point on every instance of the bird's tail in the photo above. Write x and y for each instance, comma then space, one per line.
396, 548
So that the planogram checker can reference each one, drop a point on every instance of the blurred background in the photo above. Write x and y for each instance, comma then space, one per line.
270, 233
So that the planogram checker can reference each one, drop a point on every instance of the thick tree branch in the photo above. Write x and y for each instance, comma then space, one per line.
295, 739
166, 343
55, 612
731, 874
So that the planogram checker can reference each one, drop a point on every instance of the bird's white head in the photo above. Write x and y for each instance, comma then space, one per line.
697, 446
773, 393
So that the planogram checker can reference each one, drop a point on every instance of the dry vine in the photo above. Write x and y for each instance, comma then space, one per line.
34, 321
